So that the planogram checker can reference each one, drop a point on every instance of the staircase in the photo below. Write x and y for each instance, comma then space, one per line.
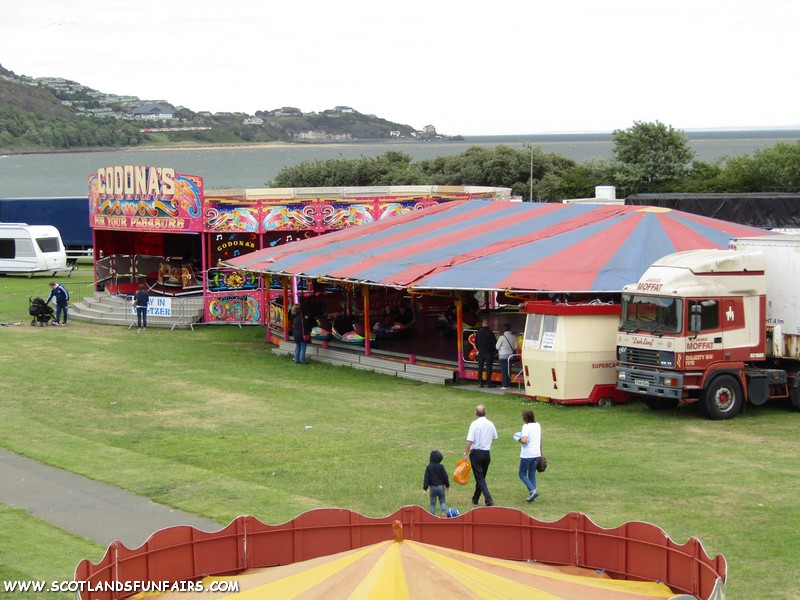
110, 309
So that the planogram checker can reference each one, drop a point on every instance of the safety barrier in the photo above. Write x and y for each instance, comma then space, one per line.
634, 550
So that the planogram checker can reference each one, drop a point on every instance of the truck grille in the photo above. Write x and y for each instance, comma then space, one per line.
643, 356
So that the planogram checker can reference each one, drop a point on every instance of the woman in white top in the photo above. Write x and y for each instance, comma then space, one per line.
531, 441
506, 348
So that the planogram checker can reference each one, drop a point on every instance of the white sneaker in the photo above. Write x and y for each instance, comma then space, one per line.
505, 388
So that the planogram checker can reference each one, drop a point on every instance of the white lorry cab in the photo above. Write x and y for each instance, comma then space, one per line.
31, 249
716, 327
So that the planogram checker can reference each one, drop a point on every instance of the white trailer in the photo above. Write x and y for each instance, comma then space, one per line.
31, 249
568, 353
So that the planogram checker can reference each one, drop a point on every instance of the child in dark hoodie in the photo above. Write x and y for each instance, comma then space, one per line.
437, 481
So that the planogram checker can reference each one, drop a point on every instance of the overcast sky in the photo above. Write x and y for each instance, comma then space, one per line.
467, 67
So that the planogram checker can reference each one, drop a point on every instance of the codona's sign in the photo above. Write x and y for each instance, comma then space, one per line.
149, 198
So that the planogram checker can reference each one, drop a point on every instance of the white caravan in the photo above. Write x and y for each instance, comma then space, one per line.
31, 249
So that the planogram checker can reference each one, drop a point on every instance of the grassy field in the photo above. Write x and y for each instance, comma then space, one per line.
211, 422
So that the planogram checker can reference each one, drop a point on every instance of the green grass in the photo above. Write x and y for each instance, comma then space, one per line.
211, 422
33, 550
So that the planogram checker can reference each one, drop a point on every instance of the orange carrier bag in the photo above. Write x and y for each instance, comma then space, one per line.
461, 474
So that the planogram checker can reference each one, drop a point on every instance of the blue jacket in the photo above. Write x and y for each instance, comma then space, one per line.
61, 295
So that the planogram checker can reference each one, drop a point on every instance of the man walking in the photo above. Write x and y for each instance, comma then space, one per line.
480, 436
485, 345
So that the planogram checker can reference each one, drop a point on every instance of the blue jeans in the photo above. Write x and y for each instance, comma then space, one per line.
505, 371
437, 492
527, 472
300, 352
59, 308
141, 316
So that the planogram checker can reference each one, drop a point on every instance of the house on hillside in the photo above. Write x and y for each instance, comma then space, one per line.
153, 111
287, 111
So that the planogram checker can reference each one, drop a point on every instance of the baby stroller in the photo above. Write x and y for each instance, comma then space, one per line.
41, 311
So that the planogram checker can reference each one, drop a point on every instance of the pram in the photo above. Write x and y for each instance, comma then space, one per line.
41, 311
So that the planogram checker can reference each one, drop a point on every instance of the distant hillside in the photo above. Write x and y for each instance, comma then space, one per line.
54, 114
32, 99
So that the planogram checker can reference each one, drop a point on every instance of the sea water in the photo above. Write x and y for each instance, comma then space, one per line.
66, 174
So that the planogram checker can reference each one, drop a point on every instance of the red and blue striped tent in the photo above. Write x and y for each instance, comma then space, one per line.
502, 246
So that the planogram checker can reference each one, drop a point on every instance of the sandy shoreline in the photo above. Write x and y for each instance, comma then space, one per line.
256, 145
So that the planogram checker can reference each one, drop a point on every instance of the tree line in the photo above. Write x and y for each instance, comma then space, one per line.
28, 130
648, 157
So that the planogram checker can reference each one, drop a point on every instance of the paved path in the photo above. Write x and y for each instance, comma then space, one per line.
96, 511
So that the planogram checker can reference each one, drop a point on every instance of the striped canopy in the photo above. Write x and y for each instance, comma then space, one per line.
501, 246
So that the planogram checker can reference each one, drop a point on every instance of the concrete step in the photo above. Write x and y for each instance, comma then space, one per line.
116, 310
385, 366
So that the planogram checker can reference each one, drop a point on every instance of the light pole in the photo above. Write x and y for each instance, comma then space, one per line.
530, 185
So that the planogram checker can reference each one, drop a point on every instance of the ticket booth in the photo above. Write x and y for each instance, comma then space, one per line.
569, 352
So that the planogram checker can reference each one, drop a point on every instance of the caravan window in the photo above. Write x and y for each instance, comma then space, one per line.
25, 247
533, 330
49, 244
540, 332
7, 248
549, 332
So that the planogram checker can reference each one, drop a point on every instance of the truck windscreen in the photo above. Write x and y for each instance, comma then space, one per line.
651, 313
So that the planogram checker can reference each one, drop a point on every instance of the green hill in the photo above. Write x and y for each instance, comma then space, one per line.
53, 114
32, 99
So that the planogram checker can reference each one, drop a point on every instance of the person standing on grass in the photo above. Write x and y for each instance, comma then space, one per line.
506, 348
140, 301
437, 481
300, 335
60, 293
480, 436
530, 453
485, 345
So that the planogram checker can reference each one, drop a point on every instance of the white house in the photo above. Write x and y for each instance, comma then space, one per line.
154, 111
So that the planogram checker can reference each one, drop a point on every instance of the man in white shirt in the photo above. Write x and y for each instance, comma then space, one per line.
480, 436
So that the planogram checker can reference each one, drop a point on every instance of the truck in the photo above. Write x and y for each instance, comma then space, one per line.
720, 328
31, 249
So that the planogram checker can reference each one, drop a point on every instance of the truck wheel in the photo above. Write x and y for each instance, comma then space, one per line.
795, 395
660, 403
722, 399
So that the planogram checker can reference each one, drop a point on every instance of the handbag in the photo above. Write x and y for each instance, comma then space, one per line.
541, 466
306, 337
461, 474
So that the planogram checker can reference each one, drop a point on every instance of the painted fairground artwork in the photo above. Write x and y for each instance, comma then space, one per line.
324, 214
234, 308
224, 214
231, 280
225, 246
233, 296
133, 197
